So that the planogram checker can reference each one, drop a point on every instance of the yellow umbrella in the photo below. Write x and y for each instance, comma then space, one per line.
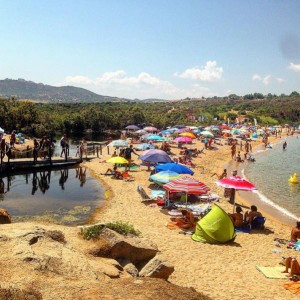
118, 160
188, 134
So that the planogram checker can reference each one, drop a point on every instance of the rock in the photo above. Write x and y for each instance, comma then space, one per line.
5, 217
157, 267
136, 250
131, 269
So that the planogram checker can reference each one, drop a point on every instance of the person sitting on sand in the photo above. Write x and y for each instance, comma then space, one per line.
223, 175
295, 233
186, 221
114, 172
250, 216
292, 263
237, 217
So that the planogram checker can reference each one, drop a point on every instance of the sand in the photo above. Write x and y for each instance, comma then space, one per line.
220, 271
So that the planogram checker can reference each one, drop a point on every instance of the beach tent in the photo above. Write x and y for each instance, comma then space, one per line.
215, 228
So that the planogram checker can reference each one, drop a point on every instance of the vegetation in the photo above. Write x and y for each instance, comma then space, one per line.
37, 119
120, 227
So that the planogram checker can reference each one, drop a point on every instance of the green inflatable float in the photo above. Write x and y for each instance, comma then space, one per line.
215, 228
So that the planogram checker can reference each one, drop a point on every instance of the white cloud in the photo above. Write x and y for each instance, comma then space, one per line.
294, 67
256, 77
142, 86
265, 80
210, 72
280, 80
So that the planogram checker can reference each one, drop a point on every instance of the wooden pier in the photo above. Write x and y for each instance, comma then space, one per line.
27, 164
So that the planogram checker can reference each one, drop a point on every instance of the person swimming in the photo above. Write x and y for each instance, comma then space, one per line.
284, 145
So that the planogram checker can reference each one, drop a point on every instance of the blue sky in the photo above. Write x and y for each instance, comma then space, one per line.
166, 49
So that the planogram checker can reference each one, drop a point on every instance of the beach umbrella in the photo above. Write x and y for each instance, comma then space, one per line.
197, 131
183, 139
215, 128
181, 130
118, 143
154, 137
1, 130
144, 146
164, 176
188, 185
206, 133
150, 128
236, 183
155, 156
132, 127
226, 131
188, 134
118, 160
166, 132
178, 168
141, 131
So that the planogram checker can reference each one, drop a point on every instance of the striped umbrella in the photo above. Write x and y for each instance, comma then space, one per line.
164, 177
188, 185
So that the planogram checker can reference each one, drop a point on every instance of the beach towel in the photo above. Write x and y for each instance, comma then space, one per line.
244, 229
273, 272
294, 287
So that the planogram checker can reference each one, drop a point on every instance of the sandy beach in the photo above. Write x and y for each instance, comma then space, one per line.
221, 271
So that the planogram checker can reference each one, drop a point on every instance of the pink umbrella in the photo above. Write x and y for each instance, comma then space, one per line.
150, 128
236, 183
183, 139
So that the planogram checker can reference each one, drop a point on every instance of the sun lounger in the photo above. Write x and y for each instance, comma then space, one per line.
146, 197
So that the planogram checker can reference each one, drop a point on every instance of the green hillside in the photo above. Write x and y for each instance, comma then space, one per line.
22, 89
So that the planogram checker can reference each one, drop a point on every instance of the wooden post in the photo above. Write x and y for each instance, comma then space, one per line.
108, 150
27, 152
93, 149
100, 149
97, 149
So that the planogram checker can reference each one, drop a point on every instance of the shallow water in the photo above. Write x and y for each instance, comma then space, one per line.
270, 174
66, 196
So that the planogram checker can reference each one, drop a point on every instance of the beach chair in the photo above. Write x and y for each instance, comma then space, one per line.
146, 197
258, 223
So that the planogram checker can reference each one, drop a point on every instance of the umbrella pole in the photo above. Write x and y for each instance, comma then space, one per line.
233, 199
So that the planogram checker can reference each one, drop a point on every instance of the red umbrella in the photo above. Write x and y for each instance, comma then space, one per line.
236, 183
188, 185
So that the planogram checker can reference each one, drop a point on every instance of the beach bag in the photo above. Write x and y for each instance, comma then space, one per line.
160, 202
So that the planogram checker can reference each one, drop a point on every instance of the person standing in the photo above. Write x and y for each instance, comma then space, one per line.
127, 155
64, 143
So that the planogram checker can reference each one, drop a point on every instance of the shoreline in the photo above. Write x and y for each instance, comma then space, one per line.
123, 203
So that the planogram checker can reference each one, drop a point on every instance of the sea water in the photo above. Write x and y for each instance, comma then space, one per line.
67, 196
270, 174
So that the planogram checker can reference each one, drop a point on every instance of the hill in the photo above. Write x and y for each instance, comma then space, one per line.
22, 89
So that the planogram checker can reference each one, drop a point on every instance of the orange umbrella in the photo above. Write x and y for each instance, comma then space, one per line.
188, 134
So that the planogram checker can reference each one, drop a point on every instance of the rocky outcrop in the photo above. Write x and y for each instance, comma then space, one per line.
157, 267
5, 217
51, 262
114, 245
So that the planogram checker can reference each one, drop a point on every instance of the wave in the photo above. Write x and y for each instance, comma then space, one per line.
266, 200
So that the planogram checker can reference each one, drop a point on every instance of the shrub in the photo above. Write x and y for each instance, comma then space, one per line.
120, 227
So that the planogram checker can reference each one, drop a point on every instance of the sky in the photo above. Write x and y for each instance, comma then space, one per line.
166, 49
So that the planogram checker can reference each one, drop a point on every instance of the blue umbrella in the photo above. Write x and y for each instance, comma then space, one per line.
155, 138
144, 146
178, 168
166, 132
156, 156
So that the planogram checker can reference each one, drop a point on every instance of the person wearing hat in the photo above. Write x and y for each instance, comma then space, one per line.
237, 217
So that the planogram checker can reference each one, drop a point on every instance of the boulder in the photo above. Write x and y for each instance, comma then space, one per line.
157, 267
5, 217
136, 250
131, 269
